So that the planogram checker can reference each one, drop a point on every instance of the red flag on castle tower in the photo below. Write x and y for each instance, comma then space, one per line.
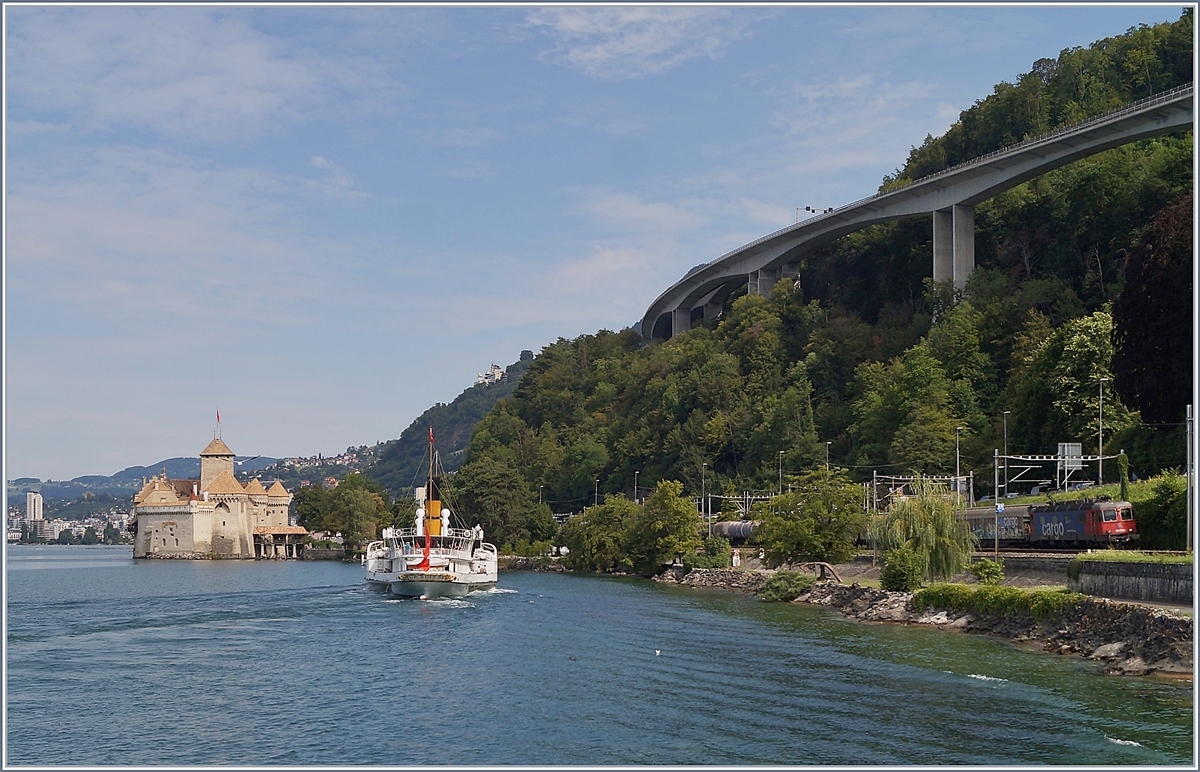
218, 415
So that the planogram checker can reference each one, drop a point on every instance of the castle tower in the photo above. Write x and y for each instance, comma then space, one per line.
214, 459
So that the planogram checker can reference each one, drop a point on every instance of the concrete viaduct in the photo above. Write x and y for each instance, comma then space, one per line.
949, 195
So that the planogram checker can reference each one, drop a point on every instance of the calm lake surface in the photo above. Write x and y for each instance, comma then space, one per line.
116, 661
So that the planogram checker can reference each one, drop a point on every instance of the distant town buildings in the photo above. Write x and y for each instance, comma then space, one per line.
215, 515
494, 374
354, 459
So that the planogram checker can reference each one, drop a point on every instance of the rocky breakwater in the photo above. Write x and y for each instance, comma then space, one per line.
715, 578
181, 556
1130, 639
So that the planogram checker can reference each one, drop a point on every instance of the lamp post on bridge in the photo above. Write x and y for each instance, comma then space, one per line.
596, 494
635, 476
781, 473
827, 444
703, 502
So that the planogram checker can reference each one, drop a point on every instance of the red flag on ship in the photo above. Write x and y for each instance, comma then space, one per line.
431, 435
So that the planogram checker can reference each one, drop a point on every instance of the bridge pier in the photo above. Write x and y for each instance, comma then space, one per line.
681, 321
954, 244
761, 281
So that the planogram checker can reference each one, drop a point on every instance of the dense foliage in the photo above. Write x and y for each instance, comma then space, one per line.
903, 569
988, 571
926, 524
356, 508
646, 537
818, 519
865, 353
1152, 318
786, 586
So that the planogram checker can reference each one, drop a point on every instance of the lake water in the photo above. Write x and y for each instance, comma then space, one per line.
123, 662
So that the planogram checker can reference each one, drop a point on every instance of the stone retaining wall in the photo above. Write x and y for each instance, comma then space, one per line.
312, 553
1161, 582
1051, 564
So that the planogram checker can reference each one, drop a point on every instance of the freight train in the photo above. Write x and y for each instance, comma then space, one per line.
1082, 523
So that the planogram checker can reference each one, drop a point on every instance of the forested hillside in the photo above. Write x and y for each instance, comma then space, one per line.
1082, 274
400, 461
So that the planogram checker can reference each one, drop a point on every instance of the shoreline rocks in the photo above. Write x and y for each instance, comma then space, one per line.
715, 578
1129, 638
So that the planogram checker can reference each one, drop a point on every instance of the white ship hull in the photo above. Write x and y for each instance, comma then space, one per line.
455, 564
428, 585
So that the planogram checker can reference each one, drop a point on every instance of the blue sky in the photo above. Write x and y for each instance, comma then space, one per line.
324, 220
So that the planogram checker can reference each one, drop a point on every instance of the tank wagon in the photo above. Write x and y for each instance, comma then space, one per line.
1081, 523
736, 531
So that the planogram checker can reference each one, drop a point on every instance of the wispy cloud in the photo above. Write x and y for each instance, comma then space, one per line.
632, 42
628, 212
336, 181
179, 72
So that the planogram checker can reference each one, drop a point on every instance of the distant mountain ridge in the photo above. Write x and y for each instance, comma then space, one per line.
128, 479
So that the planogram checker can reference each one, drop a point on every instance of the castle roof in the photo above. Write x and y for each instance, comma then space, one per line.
255, 488
181, 488
216, 448
277, 490
225, 483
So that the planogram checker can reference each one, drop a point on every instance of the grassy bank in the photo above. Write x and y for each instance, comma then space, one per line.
996, 600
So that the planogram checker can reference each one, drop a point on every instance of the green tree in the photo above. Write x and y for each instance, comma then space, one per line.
596, 536
1162, 520
666, 528
819, 519
312, 506
89, 536
902, 570
495, 496
112, 535
926, 524
1056, 389
358, 513
356, 507
65, 536
1152, 318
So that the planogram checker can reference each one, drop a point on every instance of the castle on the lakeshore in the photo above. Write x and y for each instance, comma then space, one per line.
215, 516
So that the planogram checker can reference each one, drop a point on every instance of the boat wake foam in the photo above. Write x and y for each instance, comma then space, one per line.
979, 677
1123, 742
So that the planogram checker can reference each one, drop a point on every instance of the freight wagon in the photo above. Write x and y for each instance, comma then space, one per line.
1081, 523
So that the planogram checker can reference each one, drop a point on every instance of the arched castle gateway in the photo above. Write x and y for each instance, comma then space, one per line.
213, 516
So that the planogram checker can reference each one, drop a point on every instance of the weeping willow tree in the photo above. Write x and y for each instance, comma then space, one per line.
926, 524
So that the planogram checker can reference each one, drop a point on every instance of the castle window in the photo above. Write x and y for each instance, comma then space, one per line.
177, 542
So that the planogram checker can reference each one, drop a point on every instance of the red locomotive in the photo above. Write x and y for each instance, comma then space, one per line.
1081, 523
